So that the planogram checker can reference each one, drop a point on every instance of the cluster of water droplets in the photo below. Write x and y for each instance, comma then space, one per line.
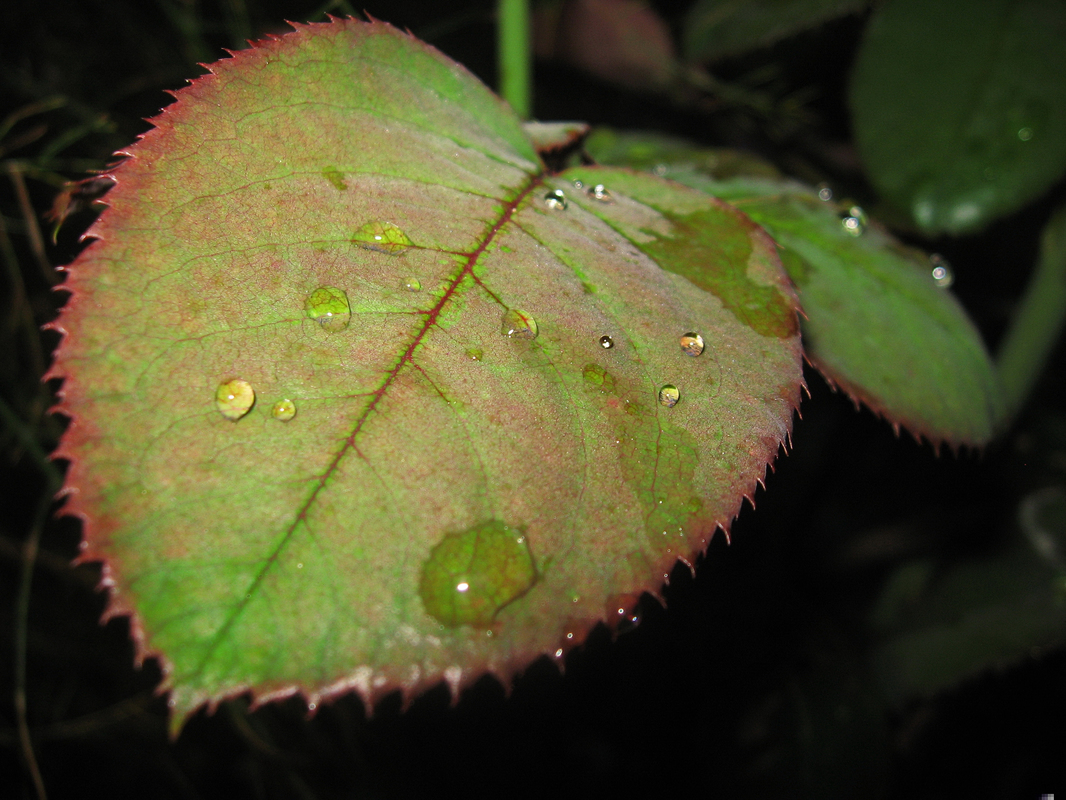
855, 221
235, 398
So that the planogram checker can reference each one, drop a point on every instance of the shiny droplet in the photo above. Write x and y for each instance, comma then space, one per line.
475, 354
669, 395
941, 271
1025, 134
606, 342
599, 192
825, 194
234, 399
691, 344
517, 324
470, 575
556, 200
578, 184
855, 222
384, 237
412, 284
328, 306
283, 410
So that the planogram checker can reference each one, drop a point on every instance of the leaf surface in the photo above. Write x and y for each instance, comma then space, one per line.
362, 398
960, 116
875, 321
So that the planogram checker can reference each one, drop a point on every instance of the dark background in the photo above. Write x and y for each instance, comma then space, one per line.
754, 680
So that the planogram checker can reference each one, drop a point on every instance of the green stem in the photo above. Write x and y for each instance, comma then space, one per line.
1038, 321
513, 48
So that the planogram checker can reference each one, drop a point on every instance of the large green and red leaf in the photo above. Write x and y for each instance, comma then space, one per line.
362, 398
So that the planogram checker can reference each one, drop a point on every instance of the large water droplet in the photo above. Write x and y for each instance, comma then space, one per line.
328, 306
412, 284
669, 395
470, 575
556, 200
941, 271
234, 399
283, 410
599, 192
517, 324
606, 342
855, 222
691, 344
383, 237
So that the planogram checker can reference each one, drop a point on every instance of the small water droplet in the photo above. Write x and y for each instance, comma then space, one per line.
312, 706
234, 399
299, 565
470, 575
606, 342
941, 271
384, 237
517, 324
825, 193
475, 353
855, 222
328, 306
578, 184
283, 410
691, 344
669, 395
412, 284
556, 200
599, 192
1025, 134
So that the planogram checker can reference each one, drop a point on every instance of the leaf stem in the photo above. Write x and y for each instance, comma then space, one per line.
1038, 322
513, 49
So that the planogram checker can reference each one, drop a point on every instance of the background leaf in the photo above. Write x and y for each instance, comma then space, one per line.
362, 399
875, 321
960, 116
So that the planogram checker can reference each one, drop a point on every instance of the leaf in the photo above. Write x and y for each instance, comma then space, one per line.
876, 323
718, 28
960, 117
362, 398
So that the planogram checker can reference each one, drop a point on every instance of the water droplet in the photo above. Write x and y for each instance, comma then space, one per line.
691, 344
578, 184
517, 324
669, 395
412, 284
470, 575
475, 353
383, 237
556, 200
941, 271
599, 192
234, 399
855, 222
825, 193
1025, 134
328, 306
283, 410
606, 342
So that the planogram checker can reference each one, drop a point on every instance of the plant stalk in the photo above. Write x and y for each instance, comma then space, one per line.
513, 49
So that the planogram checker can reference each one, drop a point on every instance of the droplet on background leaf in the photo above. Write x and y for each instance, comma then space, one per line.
556, 200
235, 399
855, 222
606, 342
384, 237
599, 192
692, 344
941, 271
517, 324
669, 395
412, 284
283, 410
470, 575
328, 306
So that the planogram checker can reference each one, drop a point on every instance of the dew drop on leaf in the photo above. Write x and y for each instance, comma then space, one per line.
941, 271
825, 193
470, 575
691, 344
669, 395
384, 237
599, 192
855, 222
556, 200
283, 410
475, 353
606, 342
412, 284
517, 324
234, 399
328, 306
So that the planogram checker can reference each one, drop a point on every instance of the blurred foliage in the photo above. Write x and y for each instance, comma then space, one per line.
830, 651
